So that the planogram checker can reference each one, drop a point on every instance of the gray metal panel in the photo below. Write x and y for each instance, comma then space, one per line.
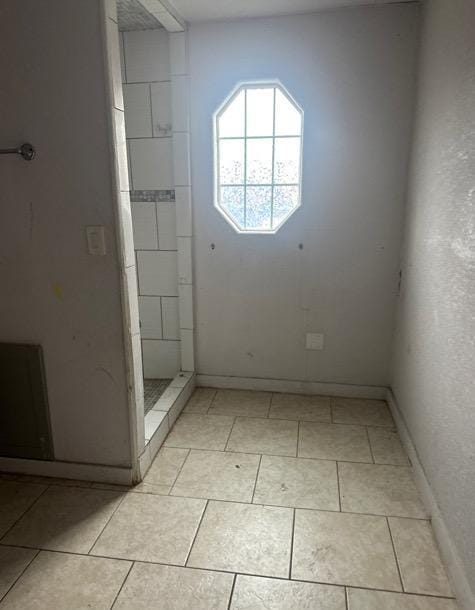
24, 415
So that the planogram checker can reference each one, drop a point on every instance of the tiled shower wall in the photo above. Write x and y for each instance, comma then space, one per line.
148, 122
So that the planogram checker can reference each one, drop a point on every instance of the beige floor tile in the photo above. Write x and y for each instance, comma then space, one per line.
344, 549
419, 560
241, 402
148, 488
360, 599
15, 499
200, 401
57, 581
258, 435
218, 475
300, 407
65, 519
194, 431
379, 490
166, 466
334, 442
151, 528
387, 447
170, 588
297, 482
244, 538
12, 563
361, 411
54, 481
256, 593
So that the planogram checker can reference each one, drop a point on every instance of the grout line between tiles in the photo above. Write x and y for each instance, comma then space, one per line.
177, 565
292, 542
179, 471
255, 482
369, 443
232, 592
395, 554
229, 435
26, 511
338, 484
3, 596
122, 585
299, 457
347, 600
196, 533
107, 522
211, 402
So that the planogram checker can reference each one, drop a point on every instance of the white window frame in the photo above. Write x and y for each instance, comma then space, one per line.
244, 85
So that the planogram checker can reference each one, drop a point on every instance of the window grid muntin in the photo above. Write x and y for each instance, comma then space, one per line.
245, 138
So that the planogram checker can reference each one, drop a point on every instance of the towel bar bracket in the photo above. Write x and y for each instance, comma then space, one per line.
25, 150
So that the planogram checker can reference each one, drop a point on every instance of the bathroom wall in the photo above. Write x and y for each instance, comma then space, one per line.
433, 372
333, 267
54, 293
148, 122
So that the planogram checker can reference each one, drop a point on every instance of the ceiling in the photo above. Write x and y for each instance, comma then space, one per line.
205, 10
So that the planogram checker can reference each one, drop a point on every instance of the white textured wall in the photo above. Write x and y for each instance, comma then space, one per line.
53, 292
434, 362
352, 71
148, 123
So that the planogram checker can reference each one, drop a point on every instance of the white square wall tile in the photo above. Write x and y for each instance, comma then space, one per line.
152, 163
136, 346
185, 274
144, 223
113, 54
147, 56
185, 305
120, 143
166, 220
183, 211
181, 159
157, 273
122, 57
161, 109
171, 327
178, 55
150, 317
132, 300
111, 9
128, 253
180, 103
138, 112
153, 419
161, 359
187, 350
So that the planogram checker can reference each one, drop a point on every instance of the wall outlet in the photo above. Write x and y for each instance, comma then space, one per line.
96, 242
314, 341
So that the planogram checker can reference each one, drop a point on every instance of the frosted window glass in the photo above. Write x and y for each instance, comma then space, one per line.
258, 207
287, 161
231, 162
258, 151
259, 161
232, 201
288, 120
260, 112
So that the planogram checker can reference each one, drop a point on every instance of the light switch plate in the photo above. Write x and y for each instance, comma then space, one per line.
96, 242
314, 341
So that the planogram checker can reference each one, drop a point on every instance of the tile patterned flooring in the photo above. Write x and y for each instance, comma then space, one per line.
256, 501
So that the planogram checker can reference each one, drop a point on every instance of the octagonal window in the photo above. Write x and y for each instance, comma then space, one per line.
258, 157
